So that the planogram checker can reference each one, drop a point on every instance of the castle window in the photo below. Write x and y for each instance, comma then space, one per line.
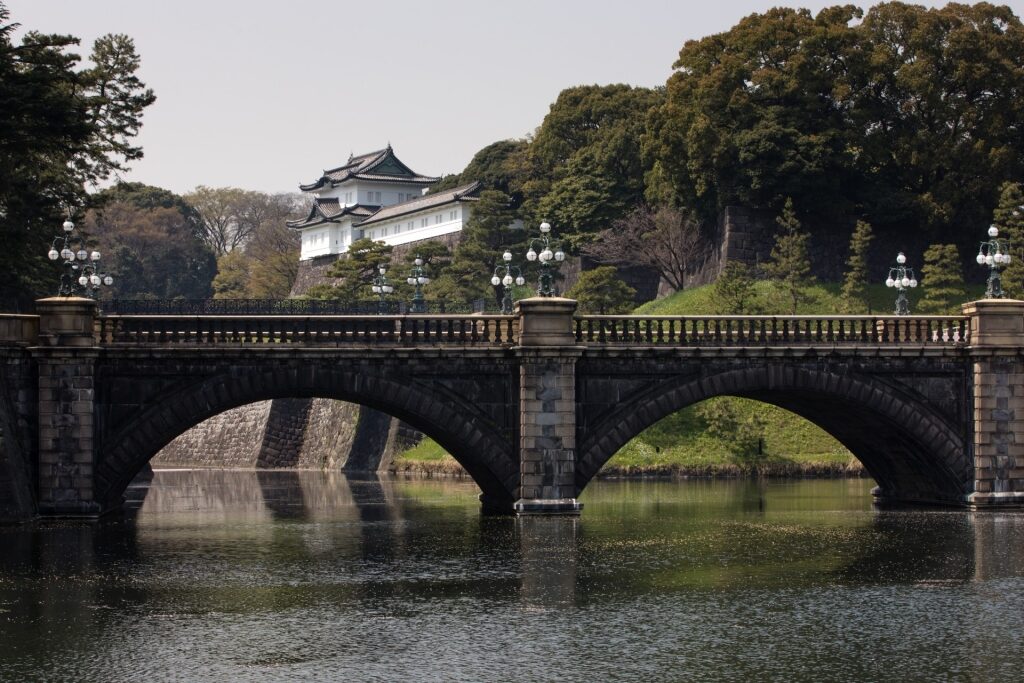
409, 225
438, 218
453, 215
424, 222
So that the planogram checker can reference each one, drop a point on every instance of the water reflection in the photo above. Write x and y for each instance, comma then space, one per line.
306, 575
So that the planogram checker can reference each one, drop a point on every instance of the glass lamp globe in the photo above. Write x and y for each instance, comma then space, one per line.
94, 280
545, 228
990, 259
68, 226
67, 254
993, 231
890, 282
376, 289
981, 259
422, 280
520, 280
410, 280
388, 289
913, 283
418, 261
95, 256
531, 255
53, 255
1006, 259
905, 282
507, 256
82, 254
83, 280
495, 280
381, 269
107, 280
998, 258
901, 258
507, 280
546, 255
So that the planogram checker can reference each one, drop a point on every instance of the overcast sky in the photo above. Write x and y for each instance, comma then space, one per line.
264, 95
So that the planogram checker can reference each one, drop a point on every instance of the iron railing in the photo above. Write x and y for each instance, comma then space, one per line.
287, 307
715, 330
321, 330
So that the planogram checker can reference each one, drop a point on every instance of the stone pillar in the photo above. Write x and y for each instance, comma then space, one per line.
997, 357
547, 354
66, 356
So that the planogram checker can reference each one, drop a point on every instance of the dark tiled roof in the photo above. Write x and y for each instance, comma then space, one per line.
329, 211
430, 201
388, 167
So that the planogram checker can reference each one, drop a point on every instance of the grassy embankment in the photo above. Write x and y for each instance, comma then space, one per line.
679, 444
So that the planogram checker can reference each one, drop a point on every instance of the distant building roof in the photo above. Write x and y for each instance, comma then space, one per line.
329, 211
380, 165
430, 201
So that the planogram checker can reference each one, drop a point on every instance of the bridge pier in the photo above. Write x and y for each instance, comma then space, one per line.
997, 337
547, 354
66, 357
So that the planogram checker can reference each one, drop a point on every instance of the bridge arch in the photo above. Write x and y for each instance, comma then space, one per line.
482, 445
913, 453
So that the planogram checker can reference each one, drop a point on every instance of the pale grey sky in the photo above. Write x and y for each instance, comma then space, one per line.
265, 94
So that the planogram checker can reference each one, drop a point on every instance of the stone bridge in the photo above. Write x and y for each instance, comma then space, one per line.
532, 404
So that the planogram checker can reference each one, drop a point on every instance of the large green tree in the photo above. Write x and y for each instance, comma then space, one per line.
602, 291
583, 169
150, 243
942, 281
62, 128
907, 117
854, 293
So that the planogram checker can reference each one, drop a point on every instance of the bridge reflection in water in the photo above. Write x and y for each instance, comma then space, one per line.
290, 574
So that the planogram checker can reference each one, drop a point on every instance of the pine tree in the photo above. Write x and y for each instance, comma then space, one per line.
942, 280
854, 292
1009, 218
790, 263
734, 289
355, 272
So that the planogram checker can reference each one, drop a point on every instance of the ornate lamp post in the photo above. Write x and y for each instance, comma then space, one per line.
382, 288
503, 278
901, 278
418, 278
81, 268
545, 255
994, 253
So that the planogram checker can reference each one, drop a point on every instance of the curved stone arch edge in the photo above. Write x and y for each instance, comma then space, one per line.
456, 428
932, 431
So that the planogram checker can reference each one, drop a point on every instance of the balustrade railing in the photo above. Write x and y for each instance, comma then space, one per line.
713, 330
288, 307
306, 330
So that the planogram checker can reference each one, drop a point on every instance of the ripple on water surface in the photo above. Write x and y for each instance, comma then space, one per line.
310, 576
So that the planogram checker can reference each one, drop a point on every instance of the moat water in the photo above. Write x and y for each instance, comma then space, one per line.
299, 576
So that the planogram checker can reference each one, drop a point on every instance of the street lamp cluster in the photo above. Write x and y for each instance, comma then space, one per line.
382, 287
81, 266
902, 278
994, 253
503, 278
549, 250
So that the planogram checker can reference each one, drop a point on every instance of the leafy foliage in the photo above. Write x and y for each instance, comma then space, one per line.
149, 241
355, 272
906, 118
734, 289
741, 431
855, 282
601, 291
61, 128
790, 261
942, 281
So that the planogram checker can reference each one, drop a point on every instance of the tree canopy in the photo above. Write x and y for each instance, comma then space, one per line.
908, 117
62, 129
